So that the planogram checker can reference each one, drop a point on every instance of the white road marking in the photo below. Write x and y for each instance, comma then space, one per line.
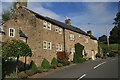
99, 64
81, 76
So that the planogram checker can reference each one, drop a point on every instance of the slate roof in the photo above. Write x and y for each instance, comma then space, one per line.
61, 24
22, 34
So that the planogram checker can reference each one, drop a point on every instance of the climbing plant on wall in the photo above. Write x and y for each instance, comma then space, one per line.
78, 57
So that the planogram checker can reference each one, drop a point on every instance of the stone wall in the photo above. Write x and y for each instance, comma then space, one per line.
33, 27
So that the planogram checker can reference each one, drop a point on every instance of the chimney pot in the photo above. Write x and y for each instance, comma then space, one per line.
67, 21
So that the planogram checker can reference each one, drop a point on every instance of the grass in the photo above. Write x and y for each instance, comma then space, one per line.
111, 47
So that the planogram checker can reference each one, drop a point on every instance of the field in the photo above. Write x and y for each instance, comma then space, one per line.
111, 46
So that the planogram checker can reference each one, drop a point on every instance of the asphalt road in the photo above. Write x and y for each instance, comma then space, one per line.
106, 68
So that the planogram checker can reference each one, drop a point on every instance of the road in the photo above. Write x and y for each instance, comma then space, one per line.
106, 68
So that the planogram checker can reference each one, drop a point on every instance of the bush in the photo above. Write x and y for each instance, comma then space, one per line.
78, 53
33, 66
104, 57
45, 70
63, 58
39, 70
22, 75
29, 72
98, 55
65, 62
54, 61
45, 65
12, 75
53, 66
59, 65
111, 54
82, 60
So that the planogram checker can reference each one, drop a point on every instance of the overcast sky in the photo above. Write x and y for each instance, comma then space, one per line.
97, 14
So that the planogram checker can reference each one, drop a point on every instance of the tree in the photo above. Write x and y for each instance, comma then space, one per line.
15, 48
115, 32
103, 39
7, 14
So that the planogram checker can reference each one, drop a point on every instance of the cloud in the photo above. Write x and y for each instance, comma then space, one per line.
38, 7
98, 15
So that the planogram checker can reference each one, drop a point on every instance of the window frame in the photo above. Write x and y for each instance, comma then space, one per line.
58, 47
13, 33
58, 29
49, 46
45, 44
86, 40
48, 25
44, 24
72, 37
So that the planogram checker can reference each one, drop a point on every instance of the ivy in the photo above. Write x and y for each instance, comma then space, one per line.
78, 57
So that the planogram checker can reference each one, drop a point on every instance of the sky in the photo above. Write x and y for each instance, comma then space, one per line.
94, 16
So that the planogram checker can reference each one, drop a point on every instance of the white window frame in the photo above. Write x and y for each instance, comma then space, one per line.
49, 46
49, 26
45, 45
44, 24
79, 36
58, 29
72, 37
11, 32
58, 47
86, 40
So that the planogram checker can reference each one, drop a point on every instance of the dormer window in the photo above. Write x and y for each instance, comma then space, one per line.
11, 32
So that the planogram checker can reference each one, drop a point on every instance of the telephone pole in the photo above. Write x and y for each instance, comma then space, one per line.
107, 36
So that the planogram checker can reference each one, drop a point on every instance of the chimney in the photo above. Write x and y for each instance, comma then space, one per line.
67, 21
89, 32
20, 4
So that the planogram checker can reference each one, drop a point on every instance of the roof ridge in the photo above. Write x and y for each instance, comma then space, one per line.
61, 24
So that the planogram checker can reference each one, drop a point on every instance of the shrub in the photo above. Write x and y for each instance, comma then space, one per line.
78, 53
59, 65
33, 66
63, 58
22, 75
82, 60
45, 70
29, 72
45, 65
98, 55
111, 54
12, 75
53, 66
54, 61
39, 70
104, 57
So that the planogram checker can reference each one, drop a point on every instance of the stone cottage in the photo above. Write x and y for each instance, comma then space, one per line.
47, 36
